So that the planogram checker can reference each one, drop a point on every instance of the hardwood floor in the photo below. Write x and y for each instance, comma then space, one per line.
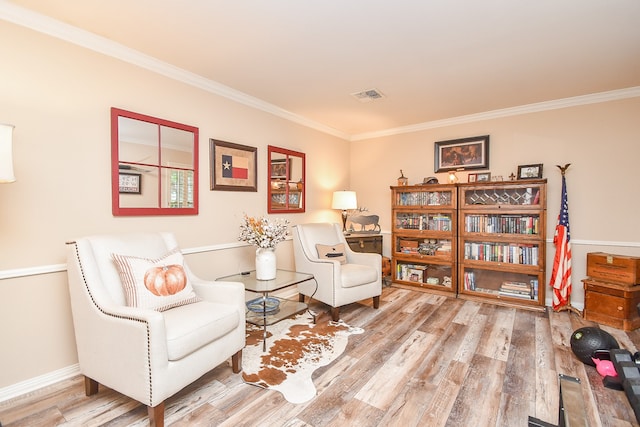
424, 360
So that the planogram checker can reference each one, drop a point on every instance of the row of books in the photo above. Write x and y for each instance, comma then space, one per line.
423, 198
512, 224
502, 252
510, 289
437, 222
442, 246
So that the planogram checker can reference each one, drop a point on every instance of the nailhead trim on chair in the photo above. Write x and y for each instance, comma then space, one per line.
119, 317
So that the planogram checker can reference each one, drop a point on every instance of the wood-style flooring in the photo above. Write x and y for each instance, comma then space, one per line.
424, 360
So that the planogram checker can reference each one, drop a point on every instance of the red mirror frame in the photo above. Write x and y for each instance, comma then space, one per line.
117, 210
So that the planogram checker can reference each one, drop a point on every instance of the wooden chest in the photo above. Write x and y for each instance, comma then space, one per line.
612, 304
370, 243
613, 268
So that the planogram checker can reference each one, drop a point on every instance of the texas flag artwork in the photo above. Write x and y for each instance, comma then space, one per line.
235, 167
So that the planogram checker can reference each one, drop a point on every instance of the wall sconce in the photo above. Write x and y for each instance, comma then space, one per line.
344, 200
6, 153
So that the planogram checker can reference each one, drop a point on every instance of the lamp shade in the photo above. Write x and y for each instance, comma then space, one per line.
344, 200
6, 153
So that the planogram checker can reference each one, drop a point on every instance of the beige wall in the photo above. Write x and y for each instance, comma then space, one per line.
601, 141
58, 96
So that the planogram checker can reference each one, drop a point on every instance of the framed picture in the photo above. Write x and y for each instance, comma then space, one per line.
483, 177
130, 183
280, 169
530, 171
472, 177
462, 154
234, 167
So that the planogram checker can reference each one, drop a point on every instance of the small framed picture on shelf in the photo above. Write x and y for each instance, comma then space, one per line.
472, 177
530, 171
483, 177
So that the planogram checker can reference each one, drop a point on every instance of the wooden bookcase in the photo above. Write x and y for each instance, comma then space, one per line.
501, 242
423, 238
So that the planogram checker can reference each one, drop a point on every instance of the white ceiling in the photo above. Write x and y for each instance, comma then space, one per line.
433, 60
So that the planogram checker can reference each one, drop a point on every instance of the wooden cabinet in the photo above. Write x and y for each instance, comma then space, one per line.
501, 242
423, 237
369, 243
612, 304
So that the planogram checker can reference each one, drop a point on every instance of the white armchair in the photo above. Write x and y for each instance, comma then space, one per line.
146, 354
341, 279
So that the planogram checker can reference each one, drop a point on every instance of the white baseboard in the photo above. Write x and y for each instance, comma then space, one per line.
33, 384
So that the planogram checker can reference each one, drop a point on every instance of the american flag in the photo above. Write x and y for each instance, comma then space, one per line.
561, 273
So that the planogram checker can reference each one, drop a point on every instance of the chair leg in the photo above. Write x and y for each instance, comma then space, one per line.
236, 362
335, 313
301, 297
156, 415
90, 386
376, 301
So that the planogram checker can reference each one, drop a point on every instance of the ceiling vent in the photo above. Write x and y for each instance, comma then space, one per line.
368, 95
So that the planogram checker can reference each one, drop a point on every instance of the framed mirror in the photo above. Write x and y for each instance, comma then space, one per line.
286, 183
154, 166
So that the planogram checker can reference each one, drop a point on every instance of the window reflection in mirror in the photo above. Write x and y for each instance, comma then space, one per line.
154, 165
286, 183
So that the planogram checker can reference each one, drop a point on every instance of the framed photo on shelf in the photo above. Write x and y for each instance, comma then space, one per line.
472, 177
462, 154
234, 167
483, 177
530, 171
280, 169
130, 183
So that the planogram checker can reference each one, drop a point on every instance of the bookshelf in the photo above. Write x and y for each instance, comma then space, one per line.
501, 242
423, 241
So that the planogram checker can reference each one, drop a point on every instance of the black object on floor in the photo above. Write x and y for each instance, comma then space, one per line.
629, 374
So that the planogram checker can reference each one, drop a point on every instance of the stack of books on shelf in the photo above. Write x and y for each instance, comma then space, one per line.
408, 246
445, 247
516, 290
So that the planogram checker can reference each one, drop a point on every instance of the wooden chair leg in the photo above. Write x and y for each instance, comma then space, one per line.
236, 362
300, 297
335, 313
376, 301
90, 386
156, 415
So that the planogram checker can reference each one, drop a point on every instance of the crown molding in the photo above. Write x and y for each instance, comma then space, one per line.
593, 98
54, 28
46, 25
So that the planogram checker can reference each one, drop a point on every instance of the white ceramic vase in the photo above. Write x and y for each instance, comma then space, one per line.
265, 264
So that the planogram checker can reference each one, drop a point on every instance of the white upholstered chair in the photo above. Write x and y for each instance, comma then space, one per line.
358, 276
146, 354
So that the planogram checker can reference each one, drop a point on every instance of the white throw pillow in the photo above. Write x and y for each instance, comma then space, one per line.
157, 284
334, 252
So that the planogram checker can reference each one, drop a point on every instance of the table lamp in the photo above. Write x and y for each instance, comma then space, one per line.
6, 153
344, 200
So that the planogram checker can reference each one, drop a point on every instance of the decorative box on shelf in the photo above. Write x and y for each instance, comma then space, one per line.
612, 268
612, 304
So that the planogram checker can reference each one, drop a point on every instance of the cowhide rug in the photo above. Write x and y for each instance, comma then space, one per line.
295, 349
